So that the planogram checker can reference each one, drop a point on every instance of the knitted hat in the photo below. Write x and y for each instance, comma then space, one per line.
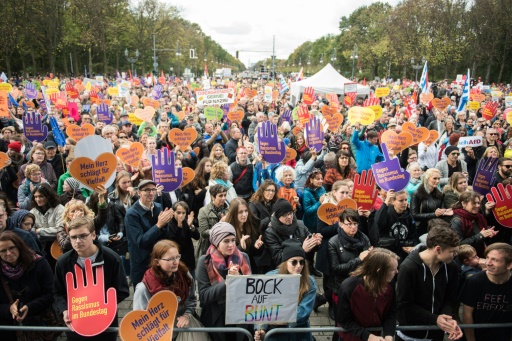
16, 146
281, 207
220, 231
292, 248
73, 183
450, 149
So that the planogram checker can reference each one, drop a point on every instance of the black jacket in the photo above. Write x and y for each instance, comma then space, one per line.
327, 232
401, 227
422, 297
8, 176
230, 150
263, 213
242, 183
423, 207
183, 237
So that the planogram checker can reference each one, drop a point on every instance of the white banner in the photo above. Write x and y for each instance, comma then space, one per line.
258, 299
216, 96
350, 87
470, 141
268, 94
508, 101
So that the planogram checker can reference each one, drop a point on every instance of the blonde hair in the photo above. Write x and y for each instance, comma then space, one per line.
75, 204
31, 168
428, 174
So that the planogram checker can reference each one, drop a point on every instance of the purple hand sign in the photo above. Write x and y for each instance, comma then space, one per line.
314, 134
388, 173
158, 88
164, 171
286, 117
104, 114
272, 150
485, 175
101, 95
42, 103
31, 91
33, 128
157, 92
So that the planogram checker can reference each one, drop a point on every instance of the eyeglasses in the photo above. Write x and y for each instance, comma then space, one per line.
343, 158
148, 190
294, 262
79, 237
122, 136
172, 260
270, 190
455, 154
9, 249
351, 224
495, 134
289, 214
38, 153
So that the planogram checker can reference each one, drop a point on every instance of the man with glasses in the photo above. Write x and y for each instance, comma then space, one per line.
451, 165
504, 170
491, 139
146, 222
85, 246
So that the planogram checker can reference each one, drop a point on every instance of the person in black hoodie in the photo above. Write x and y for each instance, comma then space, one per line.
427, 288
394, 222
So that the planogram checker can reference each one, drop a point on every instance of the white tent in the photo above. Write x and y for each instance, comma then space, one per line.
327, 80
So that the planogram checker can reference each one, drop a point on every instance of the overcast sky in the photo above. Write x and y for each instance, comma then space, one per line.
250, 26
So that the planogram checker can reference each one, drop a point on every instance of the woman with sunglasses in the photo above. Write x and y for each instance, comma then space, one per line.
294, 263
451, 165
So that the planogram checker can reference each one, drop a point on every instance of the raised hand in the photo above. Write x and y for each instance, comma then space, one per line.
33, 127
309, 96
502, 196
58, 135
71, 91
31, 91
371, 101
388, 173
314, 133
104, 114
164, 171
259, 243
272, 150
364, 192
485, 175
94, 294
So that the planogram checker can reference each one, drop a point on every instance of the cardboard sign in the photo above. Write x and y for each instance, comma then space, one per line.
183, 138
215, 97
349, 87
33, 127
164, 170
334, 121
131, 156
148, 102
257, 299
485, 176
364, 192
396, 142
314, 134
236, 115
145, 114
419, 134
291, 154
91, 311
77, 133
382, 92
330, 213
309, 96
212, 113
303, 114
4, 107
432, 137
362, 115
94, 173
3, 159
441, 104
154, 323
388, 174
271, 149
470, 141
503, 198
490, 110
477, 97
188, 176
474, 105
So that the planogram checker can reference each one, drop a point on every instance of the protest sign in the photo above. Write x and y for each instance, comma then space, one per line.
507, 114
148, 102
145, 114
183, 138
333, 121
258, 299
396, 142
470, 141
268, 94
31, 91
432, 137
291, 154
334, 102
104, 114
382, 92
426, 98
303, 114
188, 176
473, 105
212, 113
132, 155
350, 87
508, 101
154, 323
33, 127
3, 159
363, 115
91, 311
73, 111
5, 87
314, 134
477, 97
388, 174
490, 110
134, 119
164, 170
4, 109
502, 196
271, 149
215, 96
329, 213
441, 103
485, 176
236, 115
309, 96
77, 133
250, 93
364, 192
94, 173
419, 134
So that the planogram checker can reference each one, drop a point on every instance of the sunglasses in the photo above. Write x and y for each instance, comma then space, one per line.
294, 262
455, 154
495, 134
507, 166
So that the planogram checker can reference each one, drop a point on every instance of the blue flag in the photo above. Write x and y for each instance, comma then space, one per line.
465, 94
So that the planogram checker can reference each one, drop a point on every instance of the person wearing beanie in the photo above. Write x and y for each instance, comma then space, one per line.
222, 258
71, 190
15, 146
451, 165
294, 263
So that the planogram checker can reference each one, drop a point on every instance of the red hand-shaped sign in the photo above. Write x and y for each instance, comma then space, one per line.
364, 192
89, 310
503, 198
489, 110
309, 96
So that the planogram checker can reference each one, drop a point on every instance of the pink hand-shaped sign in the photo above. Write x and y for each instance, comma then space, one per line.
89, 310
503, 198
364, 192
388, 174
272, 150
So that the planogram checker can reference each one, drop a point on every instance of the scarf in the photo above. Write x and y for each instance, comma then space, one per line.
177, 283
414, 181
355, 244
467, 219
27, 187
217, 264
223, 183
282, 229
17, 271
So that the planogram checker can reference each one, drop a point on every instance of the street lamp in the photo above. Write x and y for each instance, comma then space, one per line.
309, 58
354, 56
322, 59
132, 60
417, 67
333, 57
178, 54
300, 61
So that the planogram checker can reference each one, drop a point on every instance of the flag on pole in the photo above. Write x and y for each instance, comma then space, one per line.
424, 79
465, 94
283, 87
3, 77
300, 76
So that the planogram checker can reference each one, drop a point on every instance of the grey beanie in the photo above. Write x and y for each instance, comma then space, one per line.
220, 231
73, 183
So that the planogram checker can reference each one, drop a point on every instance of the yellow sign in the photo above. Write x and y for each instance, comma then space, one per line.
377, 109
53, 84
6, 87
134, 119
363, 115
88, 86
382, 92
51, 91
474, 105
46, 81
397, 87
113, 91
509, 116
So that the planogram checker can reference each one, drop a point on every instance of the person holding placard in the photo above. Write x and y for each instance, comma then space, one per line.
222, 258
294, 262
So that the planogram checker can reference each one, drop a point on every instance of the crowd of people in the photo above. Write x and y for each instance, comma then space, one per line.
242, 215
